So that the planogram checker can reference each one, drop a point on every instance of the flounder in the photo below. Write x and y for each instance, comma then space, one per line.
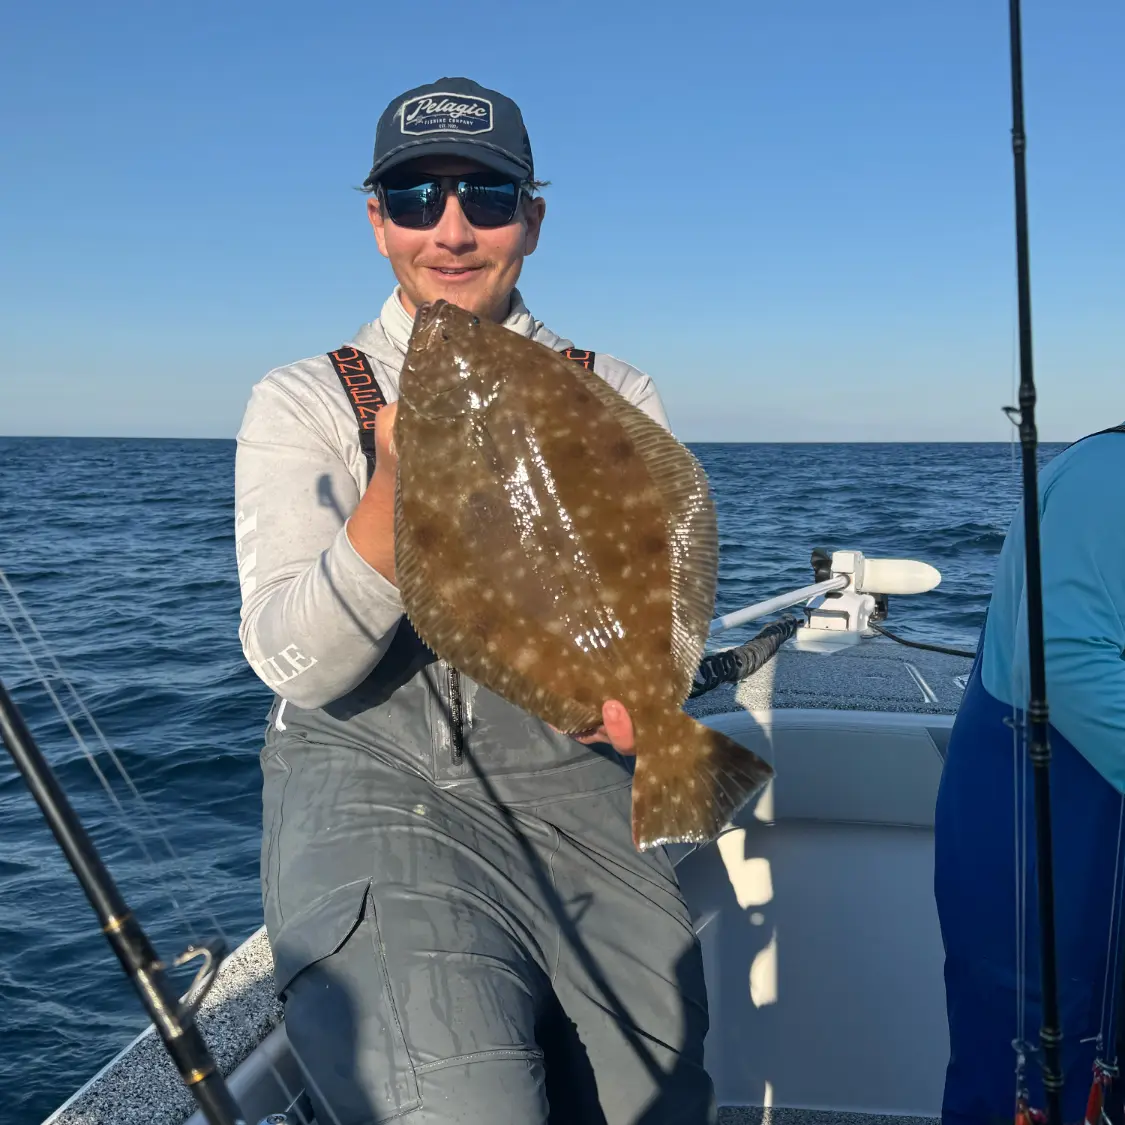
560, 547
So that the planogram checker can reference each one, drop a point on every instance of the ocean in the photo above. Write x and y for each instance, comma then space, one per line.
123, 552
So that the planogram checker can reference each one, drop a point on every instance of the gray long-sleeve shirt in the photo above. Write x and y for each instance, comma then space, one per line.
316, 617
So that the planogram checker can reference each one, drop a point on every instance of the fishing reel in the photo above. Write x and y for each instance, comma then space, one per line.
863, 588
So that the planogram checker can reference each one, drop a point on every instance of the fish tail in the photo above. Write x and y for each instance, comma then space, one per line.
689, 780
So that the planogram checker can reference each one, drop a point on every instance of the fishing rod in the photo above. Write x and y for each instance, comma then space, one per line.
174, 1018
1039, 750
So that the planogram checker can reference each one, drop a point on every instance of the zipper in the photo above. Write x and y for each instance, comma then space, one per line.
456, 715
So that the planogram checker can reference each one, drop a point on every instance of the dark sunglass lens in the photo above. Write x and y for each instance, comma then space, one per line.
413, 205
488, 204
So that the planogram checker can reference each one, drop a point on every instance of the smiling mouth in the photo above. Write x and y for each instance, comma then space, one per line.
454, 271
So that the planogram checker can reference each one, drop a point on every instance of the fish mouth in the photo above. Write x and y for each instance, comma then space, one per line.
432, 318
427, 321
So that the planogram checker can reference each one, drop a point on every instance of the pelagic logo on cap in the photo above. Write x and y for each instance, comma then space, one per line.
446, 113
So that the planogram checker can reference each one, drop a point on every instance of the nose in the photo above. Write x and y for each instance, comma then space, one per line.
453, 231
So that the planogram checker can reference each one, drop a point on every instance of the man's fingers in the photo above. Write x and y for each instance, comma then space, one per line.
618, 727
384, 428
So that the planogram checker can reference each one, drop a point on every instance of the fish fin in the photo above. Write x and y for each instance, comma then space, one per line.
692, 526
691, 780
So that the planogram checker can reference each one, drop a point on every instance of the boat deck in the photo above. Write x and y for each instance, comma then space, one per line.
876, 675
140, 1086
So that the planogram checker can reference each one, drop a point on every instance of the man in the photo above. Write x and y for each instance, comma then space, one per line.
983, 861
462, 929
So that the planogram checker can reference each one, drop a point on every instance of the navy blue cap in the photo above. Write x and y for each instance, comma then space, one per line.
453, 117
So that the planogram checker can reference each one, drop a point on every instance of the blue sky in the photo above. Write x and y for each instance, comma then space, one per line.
795, 215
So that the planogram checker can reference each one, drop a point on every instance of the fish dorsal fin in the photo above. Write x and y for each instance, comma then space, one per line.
693, 532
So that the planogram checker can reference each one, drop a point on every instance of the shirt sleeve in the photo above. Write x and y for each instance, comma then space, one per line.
1083, 566
643, 394
316, 617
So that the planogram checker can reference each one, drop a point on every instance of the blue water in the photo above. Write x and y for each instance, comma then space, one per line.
123, 553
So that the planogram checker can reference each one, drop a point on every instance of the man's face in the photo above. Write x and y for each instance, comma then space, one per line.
475, 268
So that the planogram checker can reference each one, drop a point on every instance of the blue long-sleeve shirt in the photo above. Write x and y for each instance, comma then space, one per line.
1082, 533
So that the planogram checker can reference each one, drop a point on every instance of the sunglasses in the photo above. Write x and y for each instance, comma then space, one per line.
487, 199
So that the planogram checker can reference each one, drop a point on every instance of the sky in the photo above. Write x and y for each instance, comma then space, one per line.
796, 215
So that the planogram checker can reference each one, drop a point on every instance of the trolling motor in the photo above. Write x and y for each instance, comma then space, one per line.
849, 595
856, 589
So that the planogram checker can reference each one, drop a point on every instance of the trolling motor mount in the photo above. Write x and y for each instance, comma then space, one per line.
849, 611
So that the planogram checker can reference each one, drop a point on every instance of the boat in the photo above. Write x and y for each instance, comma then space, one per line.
814, 907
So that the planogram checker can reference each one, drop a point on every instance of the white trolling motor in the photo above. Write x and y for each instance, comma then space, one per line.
861, 589
850, 593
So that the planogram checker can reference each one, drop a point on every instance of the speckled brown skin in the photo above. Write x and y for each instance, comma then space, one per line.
559, 547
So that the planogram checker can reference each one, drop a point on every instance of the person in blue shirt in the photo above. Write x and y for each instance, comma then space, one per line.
985, 870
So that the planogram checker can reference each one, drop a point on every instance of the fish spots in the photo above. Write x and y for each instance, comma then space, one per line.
455, 587
484, 623
560, 549
620, 450
484, 508
427, 536
584, 695
572, 450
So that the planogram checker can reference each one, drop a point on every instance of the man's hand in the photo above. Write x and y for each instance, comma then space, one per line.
371, 527
616, 729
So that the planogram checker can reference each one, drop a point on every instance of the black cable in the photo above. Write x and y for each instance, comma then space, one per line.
735, 664
922, 644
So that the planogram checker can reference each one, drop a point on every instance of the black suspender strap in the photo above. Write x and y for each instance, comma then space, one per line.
362, 388
364, 394
586, 359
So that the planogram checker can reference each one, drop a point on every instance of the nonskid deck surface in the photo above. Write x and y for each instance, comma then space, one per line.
141, 1087
876, 675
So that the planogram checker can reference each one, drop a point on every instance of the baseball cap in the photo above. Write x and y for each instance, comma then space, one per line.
453, 117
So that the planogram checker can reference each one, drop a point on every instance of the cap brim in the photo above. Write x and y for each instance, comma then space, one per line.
477, 151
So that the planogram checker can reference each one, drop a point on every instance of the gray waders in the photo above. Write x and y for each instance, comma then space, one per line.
462, 929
